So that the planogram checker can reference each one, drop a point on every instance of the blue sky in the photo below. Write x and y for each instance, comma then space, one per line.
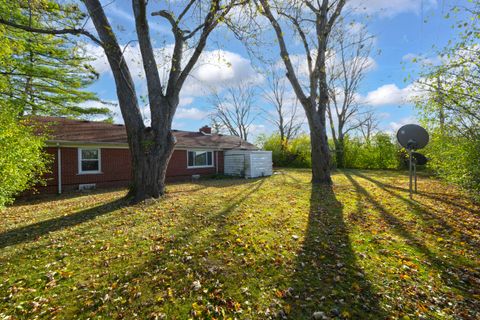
403, 29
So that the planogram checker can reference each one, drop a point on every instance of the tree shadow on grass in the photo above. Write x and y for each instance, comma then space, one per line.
442, 226
450, 269
151, 272
327, 277
34, 199
227, 181
446, 198
34, 231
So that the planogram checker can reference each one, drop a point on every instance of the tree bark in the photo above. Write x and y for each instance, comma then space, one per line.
319, 144
340, 152
320, 157
151, 152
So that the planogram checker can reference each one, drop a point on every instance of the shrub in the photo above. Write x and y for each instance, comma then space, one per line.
380, 153
456, 159
22, 159
296, 153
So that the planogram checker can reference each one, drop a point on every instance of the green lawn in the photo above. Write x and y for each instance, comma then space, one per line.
247, 249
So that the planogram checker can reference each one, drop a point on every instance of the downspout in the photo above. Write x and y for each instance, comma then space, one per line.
59, 168
216, 156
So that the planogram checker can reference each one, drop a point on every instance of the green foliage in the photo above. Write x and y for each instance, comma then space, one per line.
22, 159
380, 153
294, 153
456, 159
41, 73
450, 104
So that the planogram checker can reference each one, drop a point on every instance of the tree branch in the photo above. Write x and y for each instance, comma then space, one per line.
73, 31
154, 85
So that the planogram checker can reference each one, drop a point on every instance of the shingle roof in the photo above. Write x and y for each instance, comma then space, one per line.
81, 131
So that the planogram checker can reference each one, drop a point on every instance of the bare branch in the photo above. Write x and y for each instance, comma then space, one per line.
234, 110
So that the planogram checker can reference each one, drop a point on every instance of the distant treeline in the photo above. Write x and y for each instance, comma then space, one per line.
381, 152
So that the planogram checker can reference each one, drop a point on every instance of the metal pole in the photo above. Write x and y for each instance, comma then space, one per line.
415, 174
410, 171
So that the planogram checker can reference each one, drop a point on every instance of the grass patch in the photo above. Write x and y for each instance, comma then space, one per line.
255, 249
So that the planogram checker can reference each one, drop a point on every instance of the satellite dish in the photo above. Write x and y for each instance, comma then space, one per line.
419, 158
412, 137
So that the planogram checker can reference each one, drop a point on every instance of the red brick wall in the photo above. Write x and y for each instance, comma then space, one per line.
116, 169
115, 166
177, 167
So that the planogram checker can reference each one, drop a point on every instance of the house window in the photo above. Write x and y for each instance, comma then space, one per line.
89, 161
199, 159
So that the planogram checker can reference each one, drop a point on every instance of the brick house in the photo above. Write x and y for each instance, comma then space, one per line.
89, 154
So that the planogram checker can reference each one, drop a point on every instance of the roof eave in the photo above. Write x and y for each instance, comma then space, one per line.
69, 143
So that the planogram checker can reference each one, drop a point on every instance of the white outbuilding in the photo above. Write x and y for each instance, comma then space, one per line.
248, 163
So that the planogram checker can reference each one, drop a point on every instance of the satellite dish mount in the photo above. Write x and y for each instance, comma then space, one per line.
413, 137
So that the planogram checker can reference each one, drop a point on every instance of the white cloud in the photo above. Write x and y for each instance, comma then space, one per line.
413, 57
99, 60
191, 114
214, 70
390, 8
390, 94
257, 129
185, 101
218, 69
395, 125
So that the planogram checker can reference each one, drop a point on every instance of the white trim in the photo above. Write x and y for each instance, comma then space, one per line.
59, 169
199, 167
202, 148
79, 160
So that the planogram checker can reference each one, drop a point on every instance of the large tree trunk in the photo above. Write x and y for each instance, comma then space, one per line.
153, 148
320, 152
320, 158
150, 161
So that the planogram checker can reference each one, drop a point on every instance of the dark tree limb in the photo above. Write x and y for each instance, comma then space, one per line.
177, 56
73, 31
154, 85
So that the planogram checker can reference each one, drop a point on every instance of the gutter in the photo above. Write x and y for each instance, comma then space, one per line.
75, 144
67, 143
